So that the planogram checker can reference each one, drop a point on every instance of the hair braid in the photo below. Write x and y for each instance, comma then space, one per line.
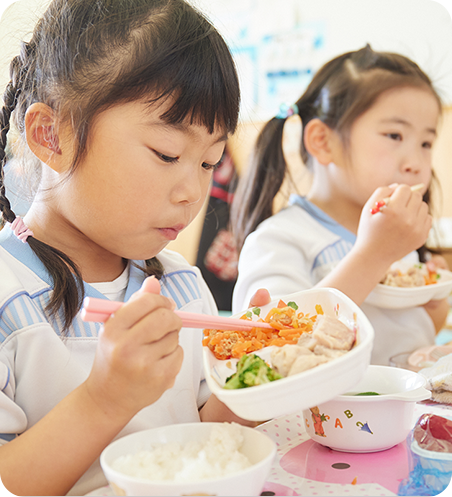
10, 98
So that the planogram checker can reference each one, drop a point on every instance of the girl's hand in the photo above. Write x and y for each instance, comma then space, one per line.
401, 227
382, 238
437, 262
260, 298
138, 355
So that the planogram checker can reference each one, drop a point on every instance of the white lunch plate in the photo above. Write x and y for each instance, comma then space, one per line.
308, 388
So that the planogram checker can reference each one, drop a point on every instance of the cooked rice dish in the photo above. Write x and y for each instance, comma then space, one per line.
216, 457
415, 276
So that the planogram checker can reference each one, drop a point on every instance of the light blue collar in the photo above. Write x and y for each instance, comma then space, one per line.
23, 253
323, 218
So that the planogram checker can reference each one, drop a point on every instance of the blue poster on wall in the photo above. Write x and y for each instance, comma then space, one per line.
277, 68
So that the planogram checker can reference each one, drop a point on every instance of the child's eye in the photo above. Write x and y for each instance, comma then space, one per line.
166, 158
212, 167
427, 145
394, 136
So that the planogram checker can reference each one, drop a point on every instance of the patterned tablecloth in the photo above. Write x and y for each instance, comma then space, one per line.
304, 467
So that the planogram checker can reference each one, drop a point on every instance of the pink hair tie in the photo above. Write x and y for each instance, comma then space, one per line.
20, 229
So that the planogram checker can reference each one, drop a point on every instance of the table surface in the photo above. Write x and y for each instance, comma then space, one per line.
304, 467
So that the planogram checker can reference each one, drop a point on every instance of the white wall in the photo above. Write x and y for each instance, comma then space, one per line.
419, 29
18, 18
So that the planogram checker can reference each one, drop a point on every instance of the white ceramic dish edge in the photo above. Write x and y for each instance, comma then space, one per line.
390, 297
248, 481
370, 423
310, 387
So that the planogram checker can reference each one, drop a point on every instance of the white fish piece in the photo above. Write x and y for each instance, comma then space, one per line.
333, 333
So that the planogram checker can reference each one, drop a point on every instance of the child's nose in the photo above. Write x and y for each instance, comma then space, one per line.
414, 163
189, 190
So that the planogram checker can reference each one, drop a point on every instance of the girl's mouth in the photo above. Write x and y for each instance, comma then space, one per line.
171, 233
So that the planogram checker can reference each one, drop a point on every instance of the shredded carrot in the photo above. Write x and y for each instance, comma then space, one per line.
287, 326
432, 278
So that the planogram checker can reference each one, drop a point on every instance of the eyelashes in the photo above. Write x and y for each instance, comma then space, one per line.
172, 160
166, 158
213, 167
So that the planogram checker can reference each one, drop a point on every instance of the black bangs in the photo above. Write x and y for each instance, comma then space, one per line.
210, 96
189, 64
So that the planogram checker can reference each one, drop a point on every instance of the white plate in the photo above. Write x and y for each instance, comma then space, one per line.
306, 389
392, 297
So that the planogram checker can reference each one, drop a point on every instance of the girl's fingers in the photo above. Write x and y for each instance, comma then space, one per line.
166, 345
261, 297
135, 310
155, 326
171, 363
150, 285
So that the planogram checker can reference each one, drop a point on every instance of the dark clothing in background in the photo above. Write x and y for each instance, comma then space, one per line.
217, 256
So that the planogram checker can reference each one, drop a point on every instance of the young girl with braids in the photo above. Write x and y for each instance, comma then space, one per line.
127, 107
369, 122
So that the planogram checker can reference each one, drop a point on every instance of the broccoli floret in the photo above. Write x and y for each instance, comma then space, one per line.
251, 371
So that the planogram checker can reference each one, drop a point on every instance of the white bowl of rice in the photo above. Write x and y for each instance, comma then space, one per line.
189, 459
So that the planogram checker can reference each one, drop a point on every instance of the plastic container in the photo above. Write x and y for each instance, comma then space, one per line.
369, 423
306, 389
430, 471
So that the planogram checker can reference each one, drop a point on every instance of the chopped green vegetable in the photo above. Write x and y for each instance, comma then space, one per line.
293, 305
368, 393
248, 314
257, 311
251, 371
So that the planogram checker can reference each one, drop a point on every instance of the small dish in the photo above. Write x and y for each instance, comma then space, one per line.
391, 297
425, 357
375, 415
305, 389
401, 361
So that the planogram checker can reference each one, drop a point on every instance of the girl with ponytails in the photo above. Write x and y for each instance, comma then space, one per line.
369, 123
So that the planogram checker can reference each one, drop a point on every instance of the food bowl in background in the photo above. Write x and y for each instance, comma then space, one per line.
369, 423
393, 297
418, 359
301, 390
256, 446
401, 361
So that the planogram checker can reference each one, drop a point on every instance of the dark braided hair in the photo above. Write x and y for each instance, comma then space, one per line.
86, 56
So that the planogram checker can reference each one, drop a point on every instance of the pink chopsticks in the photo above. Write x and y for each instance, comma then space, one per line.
385, 201
99, 310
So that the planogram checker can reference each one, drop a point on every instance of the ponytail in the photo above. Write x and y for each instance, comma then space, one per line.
253, 200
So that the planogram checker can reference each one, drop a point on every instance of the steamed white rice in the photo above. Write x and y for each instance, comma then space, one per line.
217, 457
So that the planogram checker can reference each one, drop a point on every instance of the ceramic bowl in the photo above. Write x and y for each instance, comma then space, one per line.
257, 447
392, 297
369, 423
308, 388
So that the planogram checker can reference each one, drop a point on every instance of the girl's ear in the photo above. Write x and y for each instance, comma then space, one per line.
318, 141
42, 132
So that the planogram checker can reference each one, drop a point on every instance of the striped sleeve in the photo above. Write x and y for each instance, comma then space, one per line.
17, 313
